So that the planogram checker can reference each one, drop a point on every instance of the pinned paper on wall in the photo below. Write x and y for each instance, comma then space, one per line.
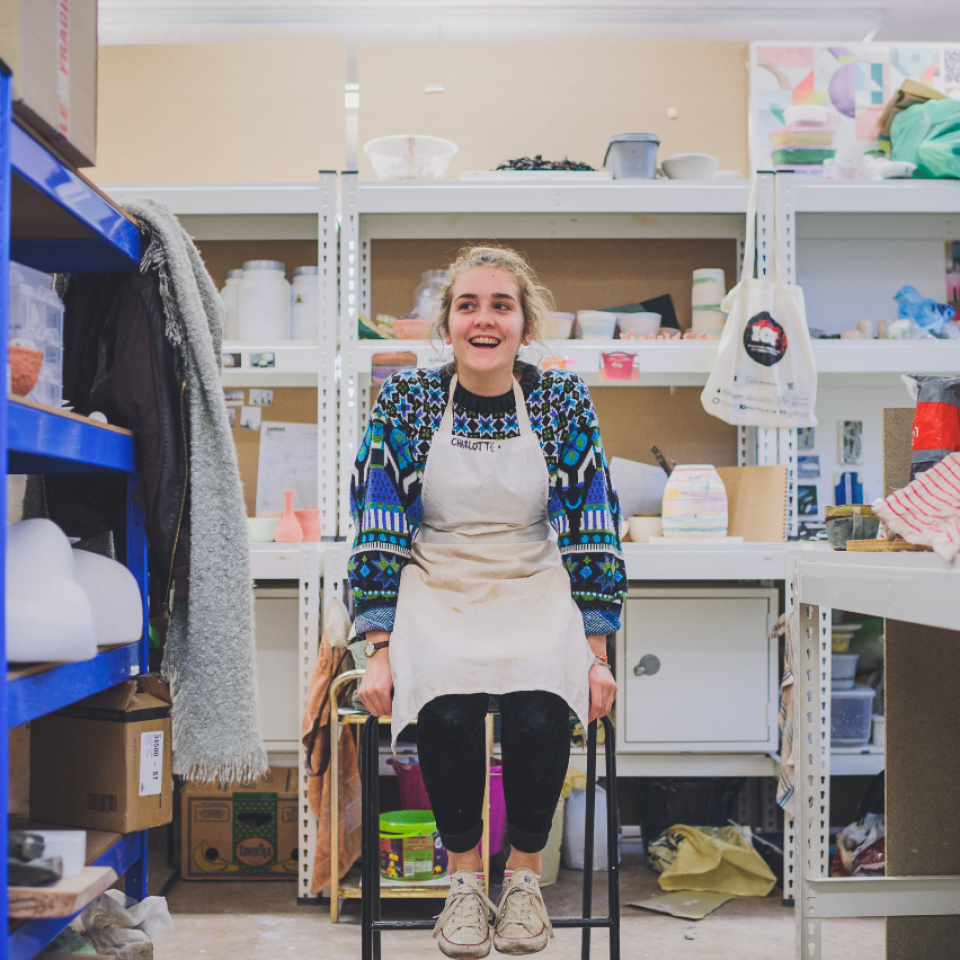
808, 468
250, 418
639, 486
232, 417
261, 398
850, 438
807, 500
806, 438
288, 461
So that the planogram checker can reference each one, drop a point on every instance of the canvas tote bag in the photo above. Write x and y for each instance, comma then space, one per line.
765, 374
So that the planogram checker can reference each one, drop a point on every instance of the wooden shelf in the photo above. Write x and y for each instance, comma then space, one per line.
63, 898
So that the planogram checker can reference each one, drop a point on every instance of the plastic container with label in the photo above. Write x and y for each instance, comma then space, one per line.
410, 847
304, 303
228, 294
36, 319
263, 299
844, 666
632, 156
850, 712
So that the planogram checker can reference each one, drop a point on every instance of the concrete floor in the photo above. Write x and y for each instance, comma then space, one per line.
260, 920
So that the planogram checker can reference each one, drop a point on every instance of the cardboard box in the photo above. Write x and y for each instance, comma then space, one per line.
247, 832
51, 47
105, 762
756, 502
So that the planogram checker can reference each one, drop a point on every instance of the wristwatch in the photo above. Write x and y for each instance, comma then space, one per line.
371, 648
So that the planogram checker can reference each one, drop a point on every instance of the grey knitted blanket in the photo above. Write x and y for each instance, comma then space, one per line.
209, 657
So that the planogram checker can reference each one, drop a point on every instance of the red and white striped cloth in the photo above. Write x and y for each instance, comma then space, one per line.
927, 510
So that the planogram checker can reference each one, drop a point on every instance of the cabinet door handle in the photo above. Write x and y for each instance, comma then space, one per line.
648, 666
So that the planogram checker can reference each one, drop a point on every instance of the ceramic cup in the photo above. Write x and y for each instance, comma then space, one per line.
596, 324
643, 528
261, 529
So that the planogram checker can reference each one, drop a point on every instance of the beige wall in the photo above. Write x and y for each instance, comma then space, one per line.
227, 113
511, 99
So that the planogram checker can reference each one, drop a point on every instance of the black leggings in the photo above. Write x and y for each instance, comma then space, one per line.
535, 743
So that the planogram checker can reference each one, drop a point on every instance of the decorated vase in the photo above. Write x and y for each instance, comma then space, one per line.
695, 504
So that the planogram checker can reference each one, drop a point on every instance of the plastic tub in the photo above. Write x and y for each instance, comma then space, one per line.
228, 294
413, 795
807, 113
384, 365
878, 730
410, 156
850, 712
558, 326
632, 156
574, 830
263, 301
410, 847
618, 366
844, 666
596, 324
802, 135
304, 305
639, 323
802, 156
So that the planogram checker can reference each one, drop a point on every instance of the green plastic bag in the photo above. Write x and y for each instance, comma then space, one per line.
928, 134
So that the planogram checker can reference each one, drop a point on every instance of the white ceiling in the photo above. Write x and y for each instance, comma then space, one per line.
188, 21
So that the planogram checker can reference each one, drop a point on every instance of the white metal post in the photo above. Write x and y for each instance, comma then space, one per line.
308, 642
349, 310
327, 478
812, 758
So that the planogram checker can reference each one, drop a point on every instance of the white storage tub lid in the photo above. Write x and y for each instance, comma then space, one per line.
859, 691
265, 265
306, 271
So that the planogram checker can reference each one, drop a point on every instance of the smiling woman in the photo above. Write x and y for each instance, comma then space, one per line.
487, 561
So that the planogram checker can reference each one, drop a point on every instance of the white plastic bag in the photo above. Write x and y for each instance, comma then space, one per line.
765, 374
116, 924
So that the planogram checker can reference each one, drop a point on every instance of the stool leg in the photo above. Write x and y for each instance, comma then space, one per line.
613, 858
373, 768
366, 848
588, 837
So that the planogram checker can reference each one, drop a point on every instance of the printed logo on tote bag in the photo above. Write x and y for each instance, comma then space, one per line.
764, 339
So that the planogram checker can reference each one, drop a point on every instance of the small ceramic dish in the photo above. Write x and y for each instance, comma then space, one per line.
261, 529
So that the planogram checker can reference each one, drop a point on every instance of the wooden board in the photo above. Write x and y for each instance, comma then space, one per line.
290, 405
557, 98
921, 679
886, 546
63, 898
897, 447
756, 502
588, 274
69, 415
260, 112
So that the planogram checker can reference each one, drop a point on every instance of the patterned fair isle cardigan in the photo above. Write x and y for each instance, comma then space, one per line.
386, 485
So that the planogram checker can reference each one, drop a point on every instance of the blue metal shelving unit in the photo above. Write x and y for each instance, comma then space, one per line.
54, 220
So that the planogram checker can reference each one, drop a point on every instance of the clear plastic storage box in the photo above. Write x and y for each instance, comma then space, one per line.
850, 716
36, 319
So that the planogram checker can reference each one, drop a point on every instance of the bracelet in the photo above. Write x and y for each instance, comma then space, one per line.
602, 662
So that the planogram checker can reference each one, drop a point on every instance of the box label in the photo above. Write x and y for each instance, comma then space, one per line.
151, 763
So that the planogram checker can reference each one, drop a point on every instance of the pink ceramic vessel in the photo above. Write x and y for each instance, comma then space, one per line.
309, 521
288, 529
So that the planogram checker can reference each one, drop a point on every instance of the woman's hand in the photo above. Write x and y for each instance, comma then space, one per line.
603, 688
376, 687
603, 691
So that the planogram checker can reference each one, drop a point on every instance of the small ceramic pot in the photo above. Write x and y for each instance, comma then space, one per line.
309, 521
643, 528
851, 522
288, 529
694, 504
261, 529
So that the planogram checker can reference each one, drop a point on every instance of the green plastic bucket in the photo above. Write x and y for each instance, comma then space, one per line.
410, 847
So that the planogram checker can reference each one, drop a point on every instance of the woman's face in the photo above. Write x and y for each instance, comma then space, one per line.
485, 326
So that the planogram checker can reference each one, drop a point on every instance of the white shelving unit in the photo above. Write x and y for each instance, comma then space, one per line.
264, 212
914, 588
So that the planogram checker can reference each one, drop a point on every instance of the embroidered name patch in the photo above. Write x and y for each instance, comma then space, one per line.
482, 446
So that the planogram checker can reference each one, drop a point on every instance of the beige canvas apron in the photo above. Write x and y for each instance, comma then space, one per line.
484, 603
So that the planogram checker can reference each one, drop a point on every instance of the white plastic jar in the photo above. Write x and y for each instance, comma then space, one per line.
263, 301
229, 297
304, 307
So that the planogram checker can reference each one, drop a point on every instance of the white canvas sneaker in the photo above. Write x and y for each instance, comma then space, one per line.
463, 927
522, 922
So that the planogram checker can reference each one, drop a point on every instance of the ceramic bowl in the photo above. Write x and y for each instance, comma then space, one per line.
638, 323
643, 528
558, 326
596, 324
261, 529
690, 166
851, 522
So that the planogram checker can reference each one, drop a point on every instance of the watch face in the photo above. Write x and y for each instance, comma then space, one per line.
369, 649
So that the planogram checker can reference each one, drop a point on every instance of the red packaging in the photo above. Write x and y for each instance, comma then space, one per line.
936, 422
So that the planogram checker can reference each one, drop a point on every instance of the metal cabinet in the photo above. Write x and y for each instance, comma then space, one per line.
697, 670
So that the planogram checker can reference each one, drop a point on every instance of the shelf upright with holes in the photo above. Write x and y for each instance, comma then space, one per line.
55, 221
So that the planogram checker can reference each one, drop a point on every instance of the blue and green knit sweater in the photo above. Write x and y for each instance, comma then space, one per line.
386, 485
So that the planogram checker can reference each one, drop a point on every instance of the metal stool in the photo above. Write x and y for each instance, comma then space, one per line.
370, 855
